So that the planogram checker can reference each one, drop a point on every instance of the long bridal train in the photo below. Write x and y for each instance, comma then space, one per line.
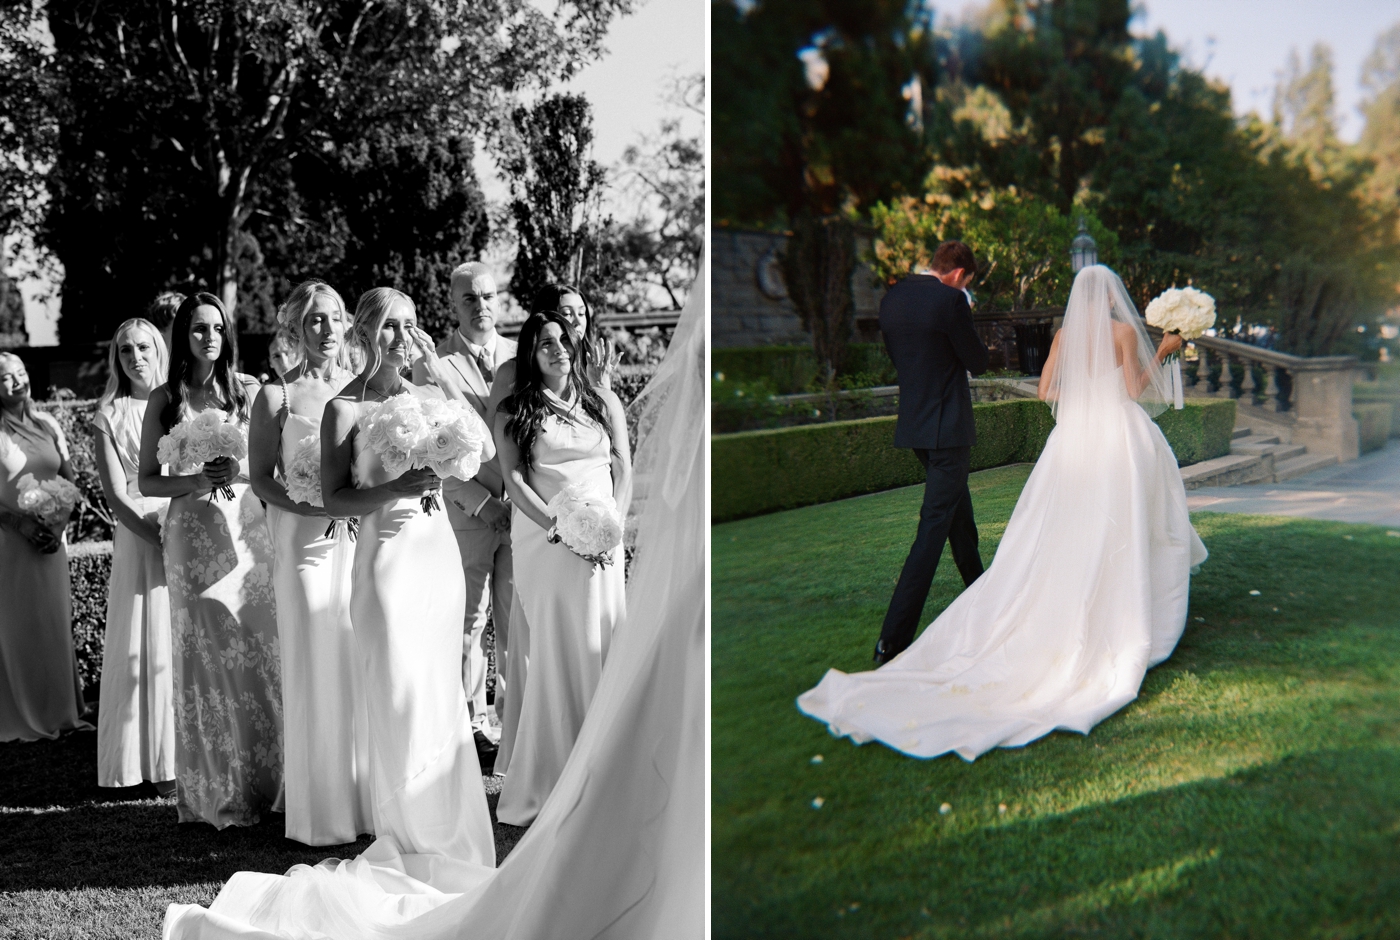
1087, 591
618, 849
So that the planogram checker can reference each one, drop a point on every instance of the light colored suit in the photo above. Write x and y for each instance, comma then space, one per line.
486, 558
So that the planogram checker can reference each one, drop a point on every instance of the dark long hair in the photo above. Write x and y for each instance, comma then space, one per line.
527, 405
235, 399
547, 301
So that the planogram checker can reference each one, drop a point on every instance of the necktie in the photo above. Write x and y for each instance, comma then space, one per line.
484, 366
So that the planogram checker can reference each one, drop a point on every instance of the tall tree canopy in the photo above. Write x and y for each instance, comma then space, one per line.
201, 139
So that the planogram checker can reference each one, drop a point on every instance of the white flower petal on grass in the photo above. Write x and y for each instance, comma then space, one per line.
817, 803
1253, 593
817, 759
1393, 534
945, 809
1001, 809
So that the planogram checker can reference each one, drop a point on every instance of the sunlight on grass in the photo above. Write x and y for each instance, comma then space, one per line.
1252, 789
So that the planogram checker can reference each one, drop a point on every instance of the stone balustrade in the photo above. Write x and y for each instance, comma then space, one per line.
1310, 394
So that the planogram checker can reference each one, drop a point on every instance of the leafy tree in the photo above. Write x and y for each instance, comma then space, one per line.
556, 190
665, 175
1380, 139
787, 142
188, 119
817, 266
28, 118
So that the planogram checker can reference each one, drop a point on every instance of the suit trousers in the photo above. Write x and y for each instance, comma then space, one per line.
486, 566
946, 516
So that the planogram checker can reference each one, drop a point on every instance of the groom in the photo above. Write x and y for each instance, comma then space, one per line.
927, 323
477, 508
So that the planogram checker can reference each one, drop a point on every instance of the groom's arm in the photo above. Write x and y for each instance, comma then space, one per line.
970, 349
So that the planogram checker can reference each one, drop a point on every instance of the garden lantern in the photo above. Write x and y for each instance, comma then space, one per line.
1083, 251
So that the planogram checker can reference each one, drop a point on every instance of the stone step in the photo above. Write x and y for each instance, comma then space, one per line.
1254, 440
1227, 471
1239, 432
1280, 451
1297, 466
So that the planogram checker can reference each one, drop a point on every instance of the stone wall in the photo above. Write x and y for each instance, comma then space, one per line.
749, 304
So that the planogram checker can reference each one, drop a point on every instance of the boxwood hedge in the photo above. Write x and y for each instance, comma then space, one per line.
1375, 422
756, 472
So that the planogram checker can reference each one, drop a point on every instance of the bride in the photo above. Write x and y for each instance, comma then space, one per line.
1089, 586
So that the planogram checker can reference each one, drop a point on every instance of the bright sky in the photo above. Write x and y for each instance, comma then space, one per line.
1245, 43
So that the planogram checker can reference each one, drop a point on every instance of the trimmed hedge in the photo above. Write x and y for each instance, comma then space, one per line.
791, 370
757, 472
1375, 422
89, 569
1200, 431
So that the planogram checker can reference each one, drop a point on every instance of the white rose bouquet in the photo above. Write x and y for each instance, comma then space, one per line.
52, 501
303, 480
208, 436
408, 432
1186, 312
1182, 310
587, 522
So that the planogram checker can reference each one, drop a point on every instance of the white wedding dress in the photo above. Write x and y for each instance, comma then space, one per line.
618, 850
1089, 585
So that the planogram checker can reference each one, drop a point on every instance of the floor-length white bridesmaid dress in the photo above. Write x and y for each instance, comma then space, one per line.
326, 770
406, 604
136, 710
572, 609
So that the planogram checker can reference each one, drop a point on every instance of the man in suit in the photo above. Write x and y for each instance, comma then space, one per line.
927, 324
477, 508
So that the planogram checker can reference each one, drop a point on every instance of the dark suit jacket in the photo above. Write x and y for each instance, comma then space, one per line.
928, 331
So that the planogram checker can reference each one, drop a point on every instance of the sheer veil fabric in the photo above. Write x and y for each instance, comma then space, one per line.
1090, 583
618, 850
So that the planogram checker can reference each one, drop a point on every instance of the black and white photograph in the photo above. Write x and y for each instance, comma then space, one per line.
353, 469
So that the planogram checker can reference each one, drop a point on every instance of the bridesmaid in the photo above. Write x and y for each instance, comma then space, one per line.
218, 564
407, 603
136, 714
599, 363
40, 692
325, 736
557, 429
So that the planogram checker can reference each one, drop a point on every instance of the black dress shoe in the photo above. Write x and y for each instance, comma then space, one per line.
882, 653
485, 749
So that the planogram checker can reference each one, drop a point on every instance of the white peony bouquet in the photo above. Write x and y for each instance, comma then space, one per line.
408, 432
303, 471
1187, 312
587, 522
1183, 310
52, 501
208, 436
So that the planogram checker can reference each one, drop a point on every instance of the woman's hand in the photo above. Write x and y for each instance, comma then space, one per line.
425, 351
149, 530
220, 472
1171, 343
420, 482
38, 534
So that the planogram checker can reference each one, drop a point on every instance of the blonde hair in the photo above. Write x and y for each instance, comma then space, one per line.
291, 318
370, 314
118, 385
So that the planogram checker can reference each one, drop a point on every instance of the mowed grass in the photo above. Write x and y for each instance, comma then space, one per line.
1252, 790
81, 861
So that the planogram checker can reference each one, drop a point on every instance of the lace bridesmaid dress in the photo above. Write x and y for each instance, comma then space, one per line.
572, 609
228, 684
136, 709
40, 692
325, 727
407, 603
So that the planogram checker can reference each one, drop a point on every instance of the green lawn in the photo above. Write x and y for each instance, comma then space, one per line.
79, 861
1252, 790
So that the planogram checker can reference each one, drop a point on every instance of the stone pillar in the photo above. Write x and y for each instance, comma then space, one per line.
1322, 405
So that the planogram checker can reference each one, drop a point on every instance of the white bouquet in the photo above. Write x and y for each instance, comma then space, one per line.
1182, 310
303, 472
587, 522
408, 432
208, 436
1186, 312
52, 501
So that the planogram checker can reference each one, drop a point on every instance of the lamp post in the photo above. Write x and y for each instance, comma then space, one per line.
1083, 251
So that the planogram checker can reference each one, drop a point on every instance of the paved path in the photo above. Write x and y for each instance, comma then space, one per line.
1364, 490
